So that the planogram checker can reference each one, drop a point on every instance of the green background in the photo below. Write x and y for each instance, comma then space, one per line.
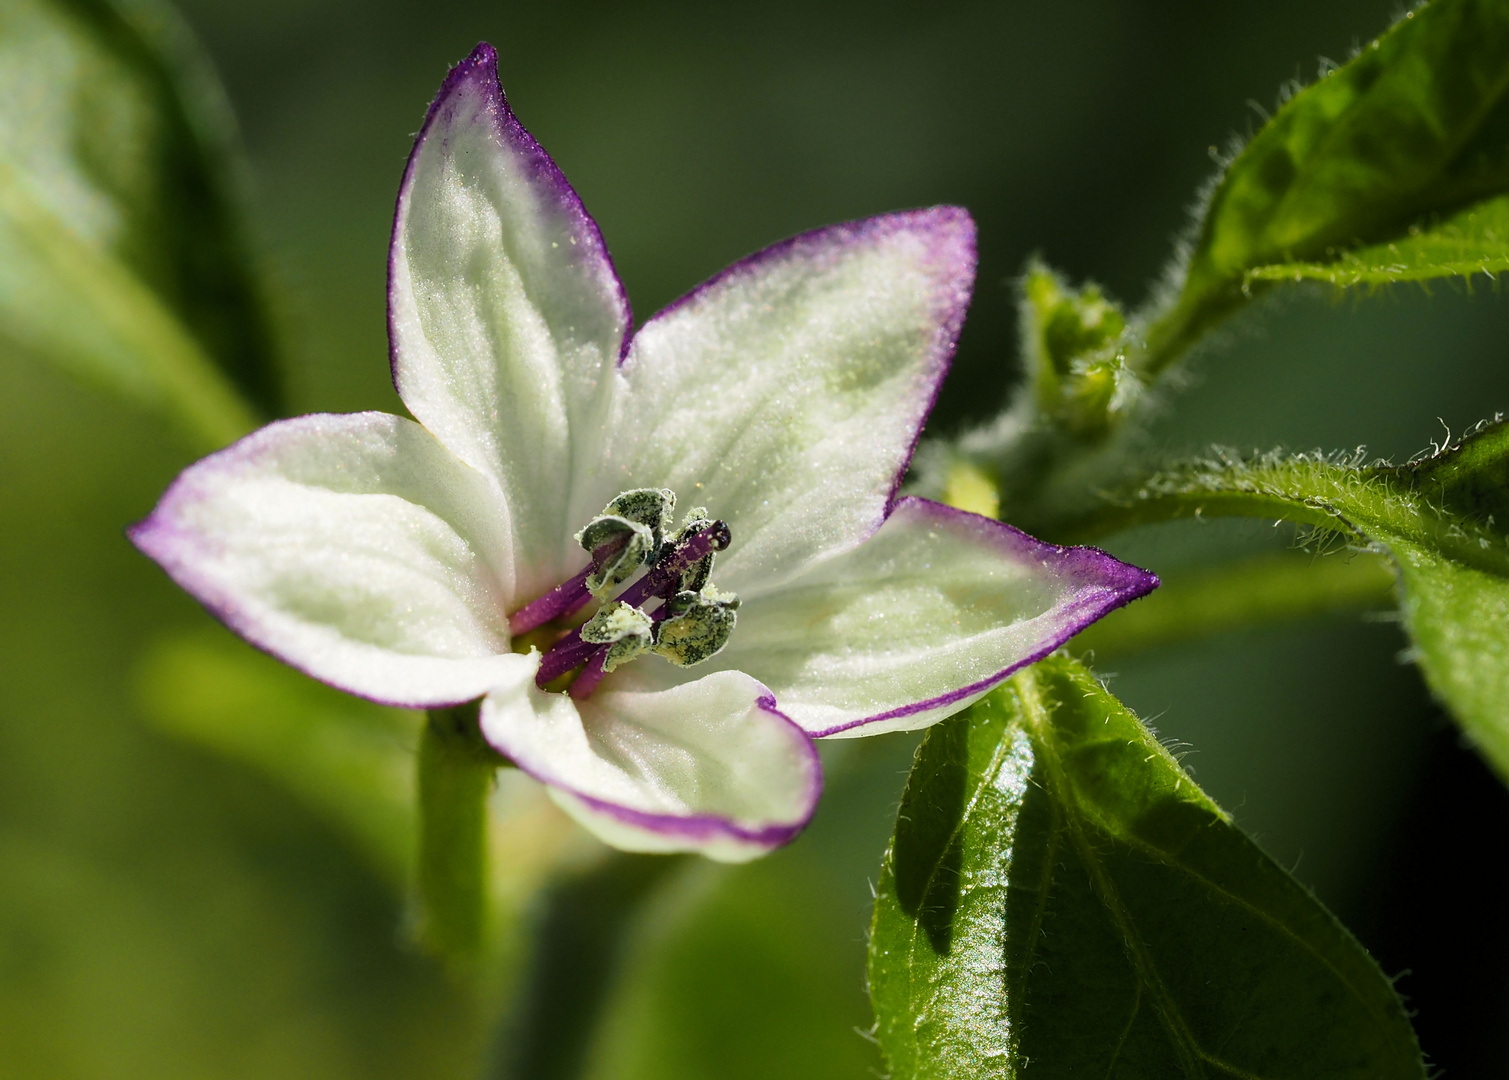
164, 913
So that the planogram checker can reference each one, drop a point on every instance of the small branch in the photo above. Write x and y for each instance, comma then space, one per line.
1265, 589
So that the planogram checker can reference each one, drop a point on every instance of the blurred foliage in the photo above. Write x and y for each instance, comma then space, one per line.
346, 757
125, 256
165, 911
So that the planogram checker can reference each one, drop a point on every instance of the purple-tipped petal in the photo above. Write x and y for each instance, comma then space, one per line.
927, 615
786, 394
504, 310
711, 766
355, 548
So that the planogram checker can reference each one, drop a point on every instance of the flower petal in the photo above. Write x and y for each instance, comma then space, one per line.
786, 394
504, 311
932, 611
709, 766
355, 548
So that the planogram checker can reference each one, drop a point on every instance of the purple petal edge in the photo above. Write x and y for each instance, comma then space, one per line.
161, 540
952, 247
701, 827
1126, 581
479, 71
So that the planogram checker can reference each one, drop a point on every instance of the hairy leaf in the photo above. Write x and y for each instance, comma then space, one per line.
1061, 900
1369, 175
121, 256
1471, 241
1440, 519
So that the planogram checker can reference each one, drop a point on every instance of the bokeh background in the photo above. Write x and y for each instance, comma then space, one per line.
168, 913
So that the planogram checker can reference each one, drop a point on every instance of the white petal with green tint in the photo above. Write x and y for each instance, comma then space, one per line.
355, 548
786, 393
504, 310
709, 766
920, 620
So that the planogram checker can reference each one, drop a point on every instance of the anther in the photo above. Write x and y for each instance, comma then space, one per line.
699, 626
625, 630
629, 531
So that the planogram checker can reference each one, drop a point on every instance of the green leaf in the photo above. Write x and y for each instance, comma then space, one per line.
122, 258
1369, 175
1059, 896
1471, 241
1439, 519
1457, 613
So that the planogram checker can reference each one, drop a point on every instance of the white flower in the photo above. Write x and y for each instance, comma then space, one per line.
386, 557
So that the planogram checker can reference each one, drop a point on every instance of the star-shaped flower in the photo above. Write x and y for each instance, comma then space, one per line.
404, 561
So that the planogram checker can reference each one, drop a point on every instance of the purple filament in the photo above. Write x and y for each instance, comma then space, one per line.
662, 580
570, 652
558, 602
592, 674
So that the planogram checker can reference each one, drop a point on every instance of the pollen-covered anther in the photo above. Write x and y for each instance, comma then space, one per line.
698, 628
628, 532
627, 631
709, 536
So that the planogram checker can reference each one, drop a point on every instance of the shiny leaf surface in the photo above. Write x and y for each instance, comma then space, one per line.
1060, 897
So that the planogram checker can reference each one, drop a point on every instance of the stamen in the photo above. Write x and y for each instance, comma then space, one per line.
570, 652
557, 603
626, 632
581, 689
693, 620
664, 578
700, 626
624, 536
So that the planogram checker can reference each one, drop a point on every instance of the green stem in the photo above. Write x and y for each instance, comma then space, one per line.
455, 776
1265, 589
1156, 510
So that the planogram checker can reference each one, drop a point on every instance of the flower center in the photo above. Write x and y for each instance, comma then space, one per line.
671, 610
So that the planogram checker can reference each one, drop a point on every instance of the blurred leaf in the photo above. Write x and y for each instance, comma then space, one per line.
1348, 181
739, 974
576, 950
122, 257
352, 760
1060, 894
755, 971
355, 763
1438, 518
